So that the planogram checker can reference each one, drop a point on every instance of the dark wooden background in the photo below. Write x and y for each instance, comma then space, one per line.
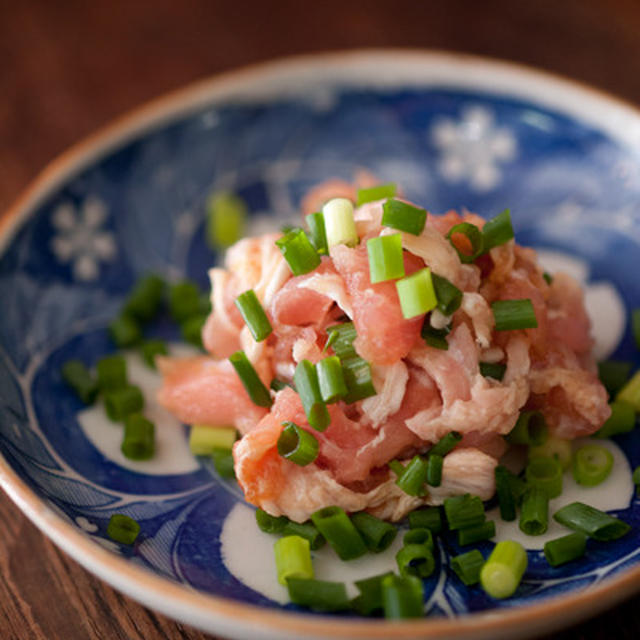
69, 66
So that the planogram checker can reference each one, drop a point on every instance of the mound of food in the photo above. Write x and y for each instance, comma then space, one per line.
345, 354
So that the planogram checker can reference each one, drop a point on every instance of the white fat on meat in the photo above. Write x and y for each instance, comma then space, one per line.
481, 316
390, 382
332, 286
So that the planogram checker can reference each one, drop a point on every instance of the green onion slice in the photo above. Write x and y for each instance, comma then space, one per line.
591, 521
534, 515
446, 444
592, 465
258, 393
621, 420
503, 570
339, 224
464, 511
300, 254
613, 374
386, 260
119, 403
415, 560
125, 331
379, 192
416, 293
297, 445
184, 300
78, 377
497, 231
317, 233
370, 599
226, 218
477, 533
334, 524
331, 379
514, 314
436, 338
203, 439
123, 529
530, 429
426, 518
306, 530
546, 474
377, 534
557, 448
404, 217
149, 349
565, 549
223, 462
341, 337
630, 393
434, 470
319, 595
448, 295
138, 442
358, 378
402, 597
419, 536
413, 477
467, 566
308, 388
506, 499
144, 300
112, 373
269, 523
293, 558
473, 234
493, 370
253, 314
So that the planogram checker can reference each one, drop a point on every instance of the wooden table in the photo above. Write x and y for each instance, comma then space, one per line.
69, 66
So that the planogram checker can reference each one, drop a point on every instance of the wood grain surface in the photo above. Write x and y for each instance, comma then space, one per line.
69, 66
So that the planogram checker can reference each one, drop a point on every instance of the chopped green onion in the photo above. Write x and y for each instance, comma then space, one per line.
306, 530
613, 374
467, 566
78, 377
416, 293
319, 595
518, 487
534, 515
258, 393
464, 511
419, 536
497, 231
299, 253
253, 315
436, 338
477, 533
506, 499
370, 599
112, 373
546, 474
138, 442
473, 235
306, 381
415, 560
184, 300
191, 329
530, 429
119, 403
144, 300
396, 466
339, 223
448, 295
548, 278
445, 444
413, 477
386, 260
592, 522
226, 218
379, 192
434, 470
152, 348
557, 448
636, 476
503, 570
293, 558
334, 524
402, 597
123, 529
404, 217
278, 385
635, 326
341, 337
426, 518
493, 370
358, 378
270, 524
331, 379
377, 534
514, 314
125, 331
621, 420
203, 439
592, 465
565, 549
297, 445
630, 393
317, 233
223, 462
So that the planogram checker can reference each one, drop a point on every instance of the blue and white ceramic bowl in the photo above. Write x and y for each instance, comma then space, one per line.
454, 132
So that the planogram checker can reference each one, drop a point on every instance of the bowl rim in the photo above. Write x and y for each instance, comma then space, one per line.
411, 67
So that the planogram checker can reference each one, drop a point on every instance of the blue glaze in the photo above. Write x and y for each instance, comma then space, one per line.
569, 187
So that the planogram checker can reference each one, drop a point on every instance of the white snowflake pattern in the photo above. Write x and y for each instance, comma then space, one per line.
86, 525
473, 148
80, 239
